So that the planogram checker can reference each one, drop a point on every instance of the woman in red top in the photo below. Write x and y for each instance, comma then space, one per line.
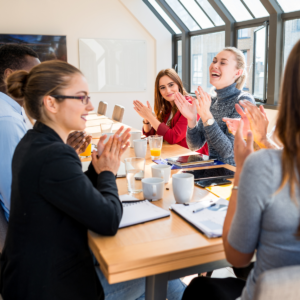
167, 121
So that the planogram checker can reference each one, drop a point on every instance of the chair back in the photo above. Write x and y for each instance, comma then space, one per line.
3, 229
279, 284
118, 113
102, 108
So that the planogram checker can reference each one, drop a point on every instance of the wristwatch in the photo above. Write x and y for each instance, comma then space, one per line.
209, 122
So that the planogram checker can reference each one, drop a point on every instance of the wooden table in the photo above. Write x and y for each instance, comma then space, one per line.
160, 250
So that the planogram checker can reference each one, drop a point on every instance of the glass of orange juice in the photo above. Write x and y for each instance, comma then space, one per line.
88, 151
155, 143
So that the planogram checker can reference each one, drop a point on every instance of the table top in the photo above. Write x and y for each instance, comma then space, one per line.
158, 246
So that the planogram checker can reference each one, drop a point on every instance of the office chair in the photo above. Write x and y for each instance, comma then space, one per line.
118, 113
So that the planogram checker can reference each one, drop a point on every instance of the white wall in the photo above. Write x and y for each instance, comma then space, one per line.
118, 19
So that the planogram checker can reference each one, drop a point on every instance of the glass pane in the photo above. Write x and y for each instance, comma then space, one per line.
165, 16
289, 5
211, 12
257, 8
259, 63
237, 10
202, 56
246, 43
183, 15
197, 13
179, 58
291, 36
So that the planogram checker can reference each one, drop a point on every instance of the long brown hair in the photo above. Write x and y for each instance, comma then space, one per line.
162, 106
47, 78
288, 122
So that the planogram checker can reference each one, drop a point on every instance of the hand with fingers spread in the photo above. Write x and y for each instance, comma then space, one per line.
203, 104
188, 110
233, 124
110, 158
124, 137
258, 121
242, 149
143, 110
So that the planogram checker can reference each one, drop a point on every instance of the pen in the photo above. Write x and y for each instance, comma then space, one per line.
201, 208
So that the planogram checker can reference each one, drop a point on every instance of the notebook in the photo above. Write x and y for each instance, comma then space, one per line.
209, 220
141, 212
121, 171
195, 159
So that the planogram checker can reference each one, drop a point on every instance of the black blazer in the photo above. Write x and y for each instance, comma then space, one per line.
53, 204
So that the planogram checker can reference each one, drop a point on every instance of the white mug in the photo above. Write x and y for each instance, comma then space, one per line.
183, 187
140, 148
162, 171
109, 134
153, 188
134, 135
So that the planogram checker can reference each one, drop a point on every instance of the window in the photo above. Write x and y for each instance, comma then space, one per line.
179, 58
291, 37
296, 25
212, 14
244, 33
197, 69
165, 16
289, 5
237, 10
197, 13
259, 83
183, 14
201, 46
254, 47
256, 8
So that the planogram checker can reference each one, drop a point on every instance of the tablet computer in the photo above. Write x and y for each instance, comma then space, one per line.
195, 159
211, 173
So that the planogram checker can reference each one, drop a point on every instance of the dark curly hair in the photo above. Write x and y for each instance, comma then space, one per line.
13, 57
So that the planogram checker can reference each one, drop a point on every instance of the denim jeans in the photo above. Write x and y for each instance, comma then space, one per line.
135, 289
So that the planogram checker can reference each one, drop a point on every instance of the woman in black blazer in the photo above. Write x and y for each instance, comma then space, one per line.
53, 203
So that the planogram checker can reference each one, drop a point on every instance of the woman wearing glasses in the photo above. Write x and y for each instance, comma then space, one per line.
53, 203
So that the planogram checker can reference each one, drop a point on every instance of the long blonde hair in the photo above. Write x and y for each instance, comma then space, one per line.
240, 64
162, 106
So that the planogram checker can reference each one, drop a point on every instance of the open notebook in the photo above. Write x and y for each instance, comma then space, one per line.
209, 220
141, 212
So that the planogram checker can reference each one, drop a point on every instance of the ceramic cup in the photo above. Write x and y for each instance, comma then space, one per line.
109, 134
183, 187
153, 188
140, 148
161, 171
134, 135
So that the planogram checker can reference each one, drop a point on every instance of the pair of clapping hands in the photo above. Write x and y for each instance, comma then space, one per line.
254, 119
200, 105
108, 156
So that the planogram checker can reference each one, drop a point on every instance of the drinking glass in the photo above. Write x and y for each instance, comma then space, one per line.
135, 171
87, 152
155, 144
106, 127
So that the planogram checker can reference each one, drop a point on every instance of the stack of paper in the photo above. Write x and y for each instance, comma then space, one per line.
208, 219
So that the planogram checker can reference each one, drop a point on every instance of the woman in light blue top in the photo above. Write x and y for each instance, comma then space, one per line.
263, 213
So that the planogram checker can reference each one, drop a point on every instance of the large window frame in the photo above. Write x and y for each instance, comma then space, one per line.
274, 58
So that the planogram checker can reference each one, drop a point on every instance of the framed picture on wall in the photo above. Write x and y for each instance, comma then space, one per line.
47, 47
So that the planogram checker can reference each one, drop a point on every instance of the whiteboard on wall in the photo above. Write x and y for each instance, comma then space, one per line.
113, 65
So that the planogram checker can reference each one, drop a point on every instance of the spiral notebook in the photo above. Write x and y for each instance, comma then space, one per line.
141, 212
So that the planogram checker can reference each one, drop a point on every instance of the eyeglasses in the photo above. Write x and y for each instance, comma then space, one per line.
84, 99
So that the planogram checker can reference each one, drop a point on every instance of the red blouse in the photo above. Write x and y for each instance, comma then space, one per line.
176, 134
